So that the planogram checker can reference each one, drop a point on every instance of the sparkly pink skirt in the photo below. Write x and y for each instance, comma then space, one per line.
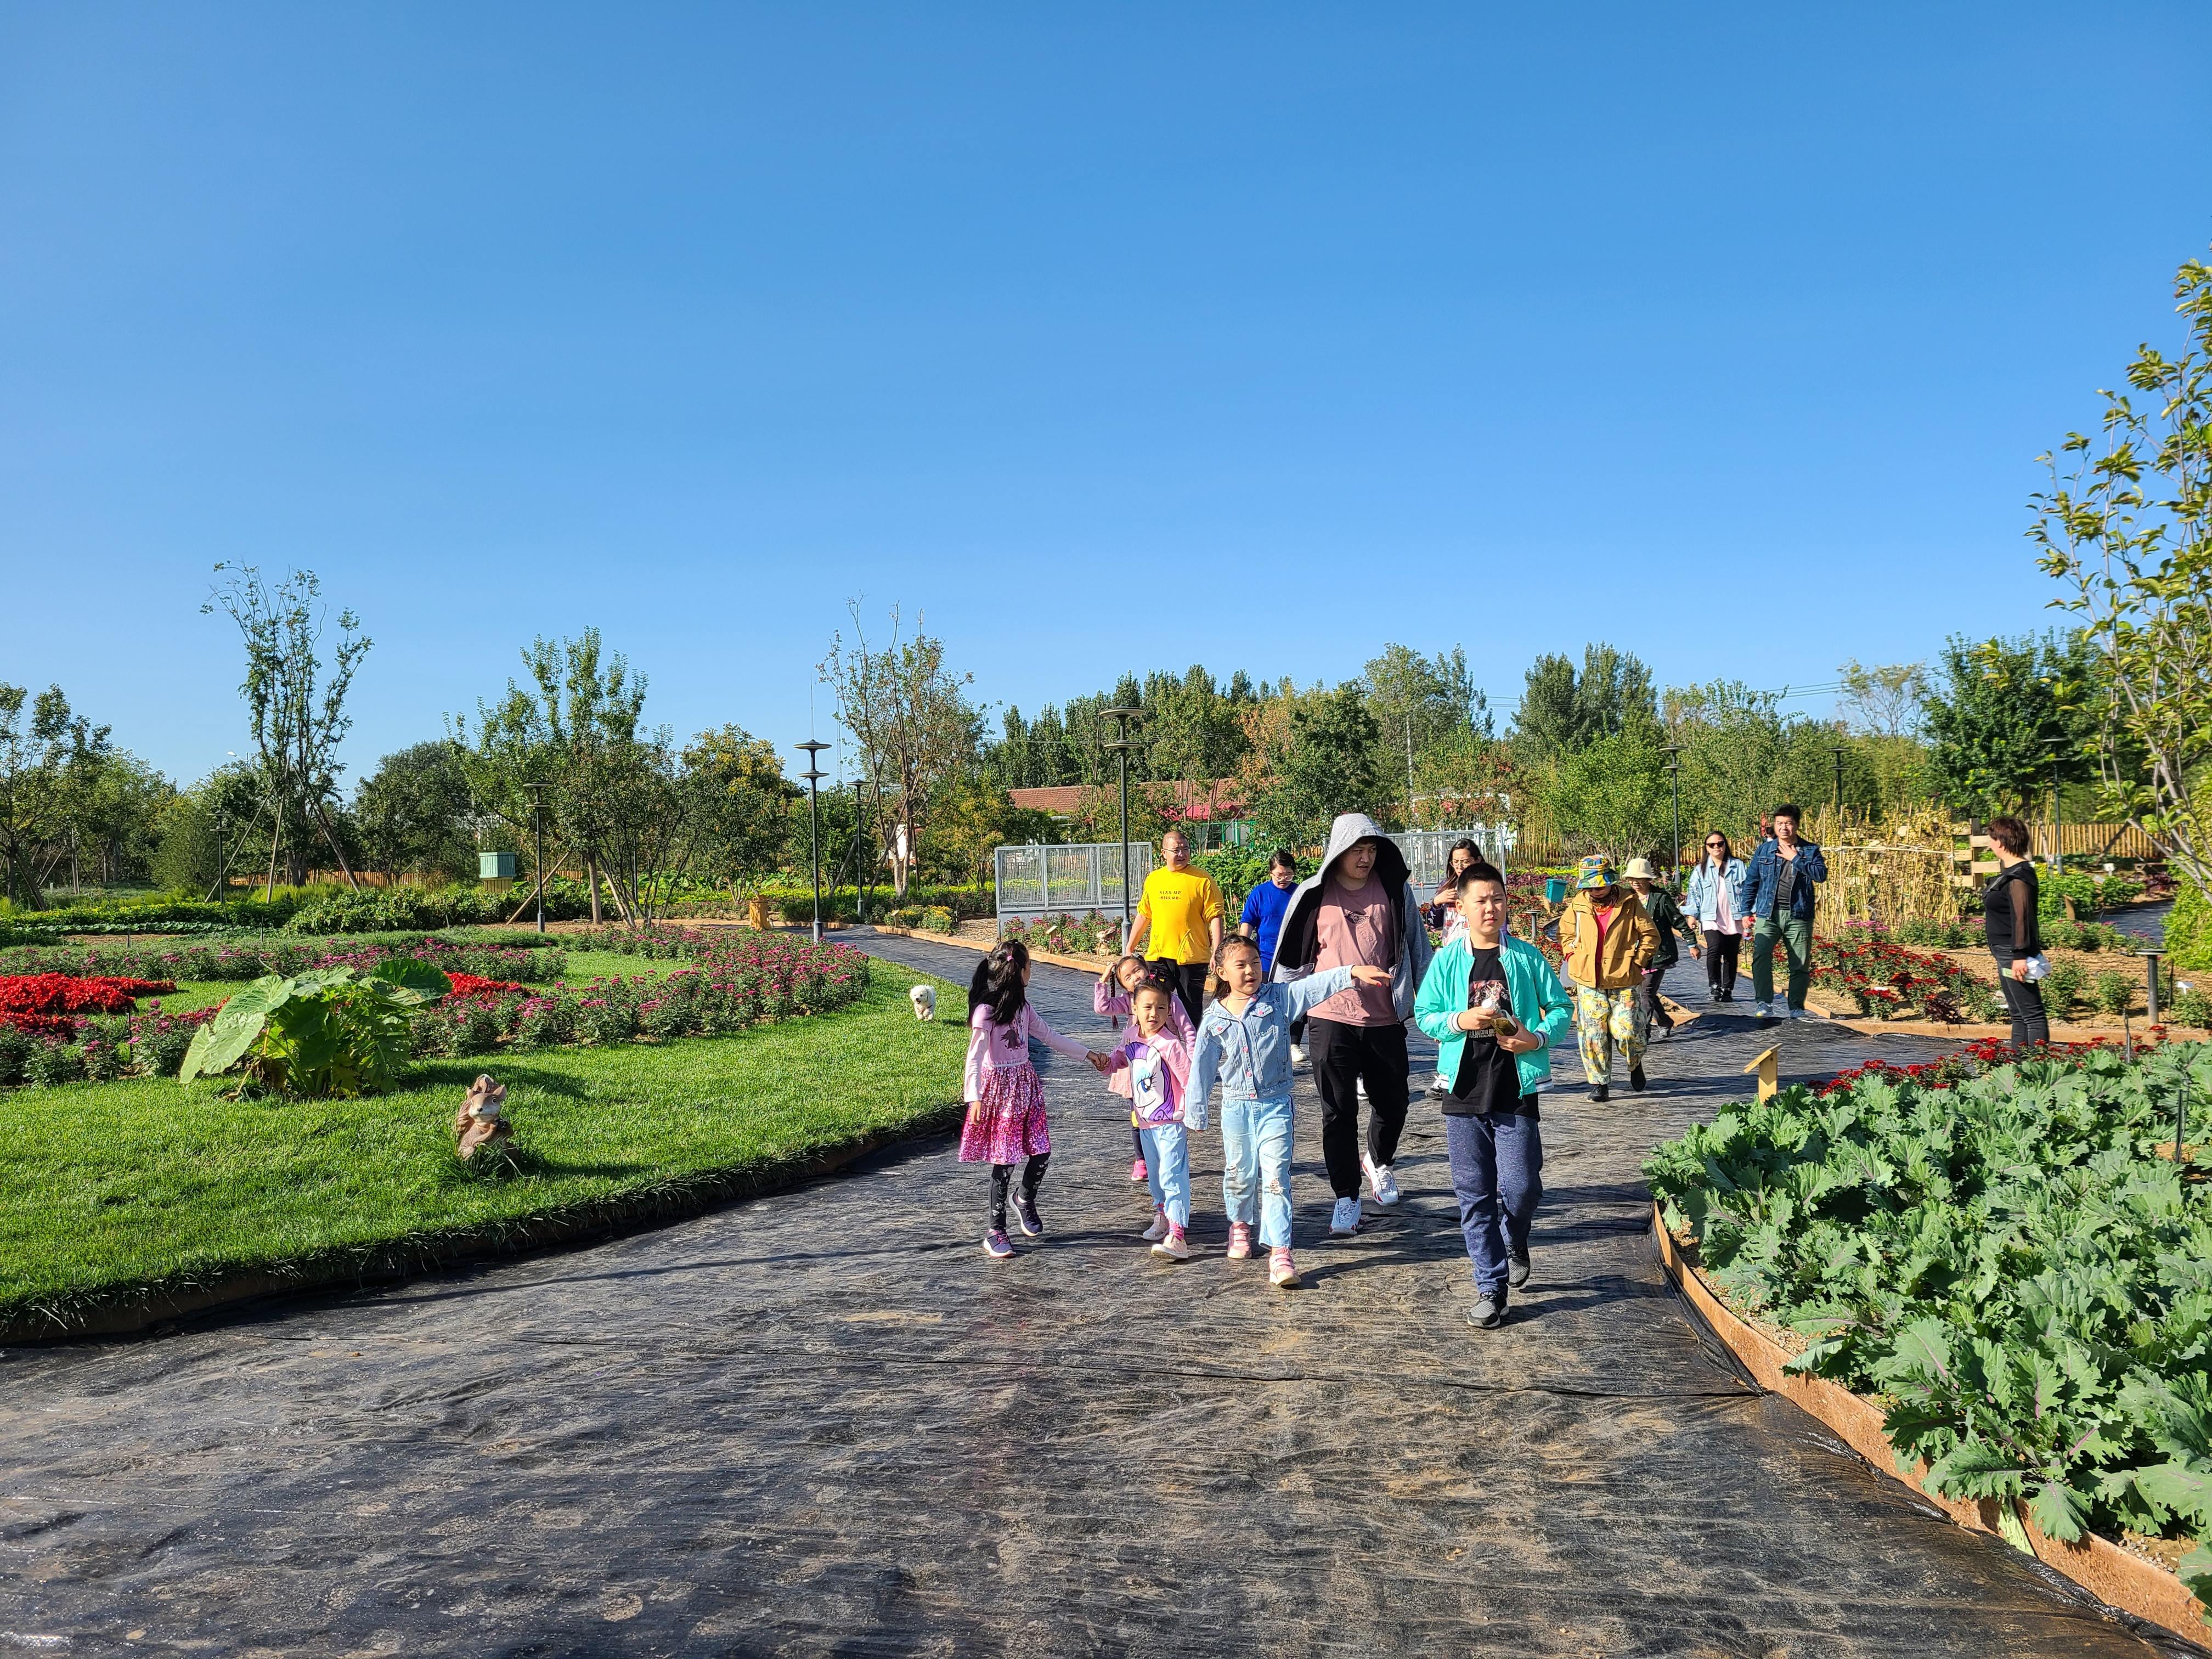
1007, 1124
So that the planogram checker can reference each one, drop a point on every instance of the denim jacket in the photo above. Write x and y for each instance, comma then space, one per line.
1703, 897
1250, 1052
1765, 879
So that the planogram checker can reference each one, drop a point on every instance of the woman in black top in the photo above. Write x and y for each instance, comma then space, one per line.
2016, 932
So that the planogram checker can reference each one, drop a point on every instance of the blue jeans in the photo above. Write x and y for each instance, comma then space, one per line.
1255, 1166
1167, 1169
1496, 1168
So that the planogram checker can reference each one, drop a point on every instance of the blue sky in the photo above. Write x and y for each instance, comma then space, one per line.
1108, 337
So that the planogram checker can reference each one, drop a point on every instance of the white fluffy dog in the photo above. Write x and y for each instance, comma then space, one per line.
924, 1001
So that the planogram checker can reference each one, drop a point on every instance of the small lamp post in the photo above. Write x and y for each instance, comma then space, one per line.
814, 775
1121, 744
2151, 957
537, 860
1674, 753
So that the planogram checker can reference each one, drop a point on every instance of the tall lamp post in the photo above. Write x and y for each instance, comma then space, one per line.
1836, 805
537, 860
814, 775
1673, 751
1121, 744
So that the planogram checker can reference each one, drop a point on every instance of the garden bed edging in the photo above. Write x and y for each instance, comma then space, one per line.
2115, 1577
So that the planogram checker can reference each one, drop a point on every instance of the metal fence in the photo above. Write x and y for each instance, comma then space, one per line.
1428, 852
1067, 881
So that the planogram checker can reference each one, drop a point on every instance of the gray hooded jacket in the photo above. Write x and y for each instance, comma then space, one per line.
1299, 941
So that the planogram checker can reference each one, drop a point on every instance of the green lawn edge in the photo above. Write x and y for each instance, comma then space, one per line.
629, 1137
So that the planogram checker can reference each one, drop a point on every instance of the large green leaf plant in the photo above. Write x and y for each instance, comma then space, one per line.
2002, 1260
333, 1031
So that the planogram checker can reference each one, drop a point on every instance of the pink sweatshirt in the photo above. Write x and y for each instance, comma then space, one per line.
1000, 1047
1172, 1050
1114, 1004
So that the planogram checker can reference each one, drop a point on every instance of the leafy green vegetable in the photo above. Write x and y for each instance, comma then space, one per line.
328, 1031
1997, 1256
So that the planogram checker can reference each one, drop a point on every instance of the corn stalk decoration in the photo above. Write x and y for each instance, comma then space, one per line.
2127, 526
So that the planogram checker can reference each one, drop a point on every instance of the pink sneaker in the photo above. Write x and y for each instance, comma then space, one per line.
1240, 1241
1159, 1230
1282, 1271
1138, 1174
1175, 1247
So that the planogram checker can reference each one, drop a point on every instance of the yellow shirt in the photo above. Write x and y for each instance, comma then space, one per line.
1179, 904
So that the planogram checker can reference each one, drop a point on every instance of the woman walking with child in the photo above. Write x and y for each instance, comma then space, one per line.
1006, 1122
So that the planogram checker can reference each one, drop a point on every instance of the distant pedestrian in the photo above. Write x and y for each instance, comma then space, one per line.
2011, 911
1495, 1008
1777, 893
1180, 912
1110, 999
1262, 918
1666, 918
1359, 910
1444, 916
1606, 942
1715, 900
1006, 1122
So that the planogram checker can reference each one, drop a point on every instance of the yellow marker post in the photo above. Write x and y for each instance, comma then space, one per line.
1770, 1077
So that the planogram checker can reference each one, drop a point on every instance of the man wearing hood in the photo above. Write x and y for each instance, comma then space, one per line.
1359, 910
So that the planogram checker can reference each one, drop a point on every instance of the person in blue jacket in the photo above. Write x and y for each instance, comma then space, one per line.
1777, 894
1495, 1008
1262, 920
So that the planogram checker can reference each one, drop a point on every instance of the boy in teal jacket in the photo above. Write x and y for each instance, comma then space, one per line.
1495, 1007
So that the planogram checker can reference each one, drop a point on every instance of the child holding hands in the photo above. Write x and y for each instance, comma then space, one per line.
1244, 1041
1109, 999
1153, 1069
1006, 1120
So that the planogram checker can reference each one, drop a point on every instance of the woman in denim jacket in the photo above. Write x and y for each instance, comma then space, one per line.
1714, 900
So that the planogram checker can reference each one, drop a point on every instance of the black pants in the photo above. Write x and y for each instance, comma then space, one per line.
1651, 978
1002, 1174
2024, 1002
1722, 951
1190, 984
1344, 1056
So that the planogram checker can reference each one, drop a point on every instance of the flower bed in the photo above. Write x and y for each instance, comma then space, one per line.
1885, 980
1091, 935
34, 996
233, 963
1993, 1252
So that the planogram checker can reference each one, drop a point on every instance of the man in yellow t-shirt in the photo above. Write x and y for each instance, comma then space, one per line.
1182, 911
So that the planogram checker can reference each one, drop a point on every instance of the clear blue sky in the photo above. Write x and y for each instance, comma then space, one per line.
1728, 334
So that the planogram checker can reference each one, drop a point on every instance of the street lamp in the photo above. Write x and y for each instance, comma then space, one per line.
537, 860
1837, 749
814, 775
1121, 745
1673, 751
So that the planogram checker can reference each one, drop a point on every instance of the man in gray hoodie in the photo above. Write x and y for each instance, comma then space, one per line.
1359, 910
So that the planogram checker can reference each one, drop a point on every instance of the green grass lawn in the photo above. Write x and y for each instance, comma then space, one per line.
113, 1191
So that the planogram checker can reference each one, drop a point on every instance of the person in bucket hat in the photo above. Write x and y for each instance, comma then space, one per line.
1607, 944
1667, 919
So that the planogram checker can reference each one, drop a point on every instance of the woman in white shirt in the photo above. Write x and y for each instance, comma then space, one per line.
1714, 898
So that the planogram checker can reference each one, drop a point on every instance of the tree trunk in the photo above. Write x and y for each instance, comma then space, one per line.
591, 881
330, 834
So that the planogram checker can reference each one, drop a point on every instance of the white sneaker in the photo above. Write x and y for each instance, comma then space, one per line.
1159, 1230
1297, 1056
1380, 1180
1344, 1219
1359, 1087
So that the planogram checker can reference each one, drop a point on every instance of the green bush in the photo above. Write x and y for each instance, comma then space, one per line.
15, 1056
2115, 992
2062, 989
54, 1063
2192, 1007
2062, 935
2189, 929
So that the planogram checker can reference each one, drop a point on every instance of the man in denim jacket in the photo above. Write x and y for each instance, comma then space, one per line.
1777, 891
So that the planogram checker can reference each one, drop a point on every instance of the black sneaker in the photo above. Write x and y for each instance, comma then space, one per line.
1488, 1313
1600, 1094
1026, 1212
1517, 1270
1636, 1079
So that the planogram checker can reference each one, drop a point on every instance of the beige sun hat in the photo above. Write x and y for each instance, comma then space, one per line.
1639, 870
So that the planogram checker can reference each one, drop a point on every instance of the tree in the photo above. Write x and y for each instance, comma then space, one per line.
911, 717
1561, 711
2129, 531
1323, 764
742, 800
610, 789
1884, 701
1425, 707
38, 757
413, 814
1612, 794
297, 709
2007, 724
214, 827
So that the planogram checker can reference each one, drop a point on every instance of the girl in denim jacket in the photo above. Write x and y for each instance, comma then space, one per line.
1244, 1041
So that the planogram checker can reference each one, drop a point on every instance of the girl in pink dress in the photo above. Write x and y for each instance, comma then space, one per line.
1006, 1122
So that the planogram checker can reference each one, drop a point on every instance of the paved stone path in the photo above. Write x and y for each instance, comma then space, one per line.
823, 1423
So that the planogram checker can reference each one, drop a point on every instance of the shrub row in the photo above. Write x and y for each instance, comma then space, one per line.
533, 964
